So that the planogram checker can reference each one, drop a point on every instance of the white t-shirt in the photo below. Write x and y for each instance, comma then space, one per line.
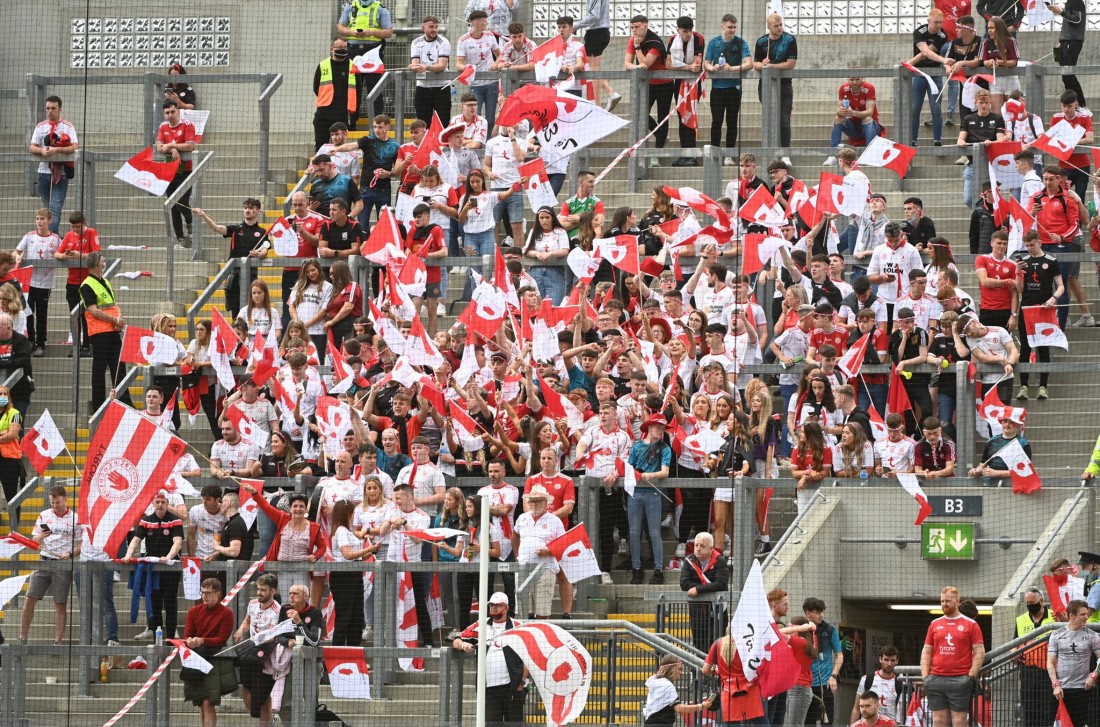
478, 52
346, 162
480, 217
314, 299
428, 478
476, 130
925, 308
334, 490
61, 529
897, 262
261, 320
416, 519
502, 161
867, 460
343, 538
234, 456
42, 130
535, 534
896, 456
504, 495
552, 241
372, 516
36, 247
430, 52
607, 448
207, 527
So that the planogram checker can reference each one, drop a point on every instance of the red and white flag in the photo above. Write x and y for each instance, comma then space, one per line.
502, 280
413, 276
328, 610
970, 89
334, 421
842, 195
753, 631
1025, 479
625, 470
1019, 222
342, 373
192, 577
886, 154
224, 345
1061, 717
284, 240
1042, 328
13, 543
430, 150
198, 119
420, 349
42, 442
559, 665
933, 88
621, 251
548, 59
704, 442
348, 671
1060, 140
384, 244
467, 75
687, 102
908, 482
878, 427
897, 399
408, 630
485, 312
265, 351
128, 460
762, 209
188, 658
1002, 157
539, 192
759, 250
248, 429
147, 175
575, 554
435, 603
852, 360
583, 265
992, 410
699, 202
466, 428
1063, 589
9, 587
148, 348
435, 535
249, 508
369, 62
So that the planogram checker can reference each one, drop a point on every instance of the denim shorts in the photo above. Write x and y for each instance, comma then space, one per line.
514, 205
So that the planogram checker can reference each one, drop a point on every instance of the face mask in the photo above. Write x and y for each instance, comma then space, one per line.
3, 401
340, 55
1034, 608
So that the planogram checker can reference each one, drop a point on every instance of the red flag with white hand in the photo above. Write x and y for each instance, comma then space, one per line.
878, 427
908, 482
886, 154
147, 175
548, 59
762, 209
992, 410
933, 88
192, 578
383, 246
1061, 589
14, 542
467, 75
485, 312
539, 192
249, 508
687, 102
621, 251
700, 202
1060, 140
128, 460
369, 62
1041, 325
759, 645
148, 348
575, 554
42, 442
852, 360
559, 665
1025, 479
420, 349
248, 429
188, 658
759, 250
348, 672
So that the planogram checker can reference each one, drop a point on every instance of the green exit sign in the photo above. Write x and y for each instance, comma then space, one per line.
947, 541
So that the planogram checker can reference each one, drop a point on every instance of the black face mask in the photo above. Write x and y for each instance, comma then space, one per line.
1034, 608
340, 55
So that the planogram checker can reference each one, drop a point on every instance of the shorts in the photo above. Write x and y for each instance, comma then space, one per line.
513, 204
948, 693
432, 290
57, 583
596, 40
1066, 269
724, 492
1005, 85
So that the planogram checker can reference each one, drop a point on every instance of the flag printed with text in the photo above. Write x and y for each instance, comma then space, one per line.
758, 642
575, 554
559, 665
42, 442
128, 460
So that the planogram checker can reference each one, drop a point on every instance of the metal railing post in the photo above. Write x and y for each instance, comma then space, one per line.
272, 83
163, 690
612, 680
639, 121
19, 683
150, 116
965, 420
399, 103
903, 91
87, 598
981, 170
743, 520
770, 95
35, 105
385, 615
1036, 88
196, 229
712, 170
88, 188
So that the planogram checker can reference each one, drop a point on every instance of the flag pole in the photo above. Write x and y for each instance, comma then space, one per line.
483, 606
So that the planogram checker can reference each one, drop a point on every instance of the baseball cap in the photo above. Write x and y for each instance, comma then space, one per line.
498, 598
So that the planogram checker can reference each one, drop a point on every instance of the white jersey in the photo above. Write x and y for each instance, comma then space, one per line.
534, 535
233, 456
479, 53
429, 52
60, 531
428, 478
994, 343
887, 692
346, 162
207, 526
399, 543
716, 304
504, 495
897, 262
606, 449
43, 130
260, 617
39, 247
896, 456
334, 490
925, 308
476, 130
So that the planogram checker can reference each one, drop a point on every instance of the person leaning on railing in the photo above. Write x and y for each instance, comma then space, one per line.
208, 627
1069, 653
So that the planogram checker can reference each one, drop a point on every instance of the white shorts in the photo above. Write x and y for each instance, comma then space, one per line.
1005, 84
725, 492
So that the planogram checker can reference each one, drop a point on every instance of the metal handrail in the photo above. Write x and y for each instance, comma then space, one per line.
788, 533
194, 180
1039, 555
265, 129
231, 267
299, 187
130, 376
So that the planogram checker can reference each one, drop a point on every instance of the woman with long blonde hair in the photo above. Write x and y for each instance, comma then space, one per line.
662, 703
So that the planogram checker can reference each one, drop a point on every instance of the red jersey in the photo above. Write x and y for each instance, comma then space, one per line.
1083, 119
996, 298
423, 246
1058, 216
952, 641
857, 100
181, 133
560, 488
409, 179
952, 10
653, 47
838, 339
880, 722
83, 244
798, 647
804, 460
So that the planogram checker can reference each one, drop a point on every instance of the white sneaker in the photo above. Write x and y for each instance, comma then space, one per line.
829, 162
441, 310
681, 550
368, 634
612, 101
606, 579
962, 161
667, 521
654, 162
1085, 321
145, 635
787, 161
729, 162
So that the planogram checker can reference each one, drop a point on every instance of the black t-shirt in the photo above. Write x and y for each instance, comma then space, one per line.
827, 291
158, 533
921, 233
1039, 274
342, 237
916, 338
960, 51
944, 347
243, 238
186, 95
235, 529
309, 631
983, 128
935, 41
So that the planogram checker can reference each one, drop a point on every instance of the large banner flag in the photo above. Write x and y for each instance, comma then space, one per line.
564, 123
348, 672
128, 460
575, 554
147, 175
42, 442
148, 348
559, 665
764, 654
1041, 325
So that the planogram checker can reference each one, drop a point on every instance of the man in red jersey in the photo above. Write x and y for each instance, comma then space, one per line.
950, 662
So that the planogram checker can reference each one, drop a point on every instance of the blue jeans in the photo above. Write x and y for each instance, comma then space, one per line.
484, 243
552, 282
266, 529
486, 102
947, 410
53, 196
953, 88
878, 396
646, 503
856, 129
968, 186
786, 391
920, 90
374, 199
107, 602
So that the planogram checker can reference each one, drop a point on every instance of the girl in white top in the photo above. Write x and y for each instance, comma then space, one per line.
853, 453
259, 314
546, 242
310, 297
12, 303
438, 195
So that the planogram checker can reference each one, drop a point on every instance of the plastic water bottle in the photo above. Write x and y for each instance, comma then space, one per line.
721, 61
845, 104
863, 478
159, 641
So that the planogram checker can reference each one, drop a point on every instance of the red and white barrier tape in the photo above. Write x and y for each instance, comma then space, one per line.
244, 579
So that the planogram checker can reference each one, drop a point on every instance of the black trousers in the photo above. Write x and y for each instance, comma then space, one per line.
1069, 51
707, 624
106, 349
39, 300
72, 299
181, 211
660, 94
504, 705
991, 317
1036, 698
725, 107
687, 134
165, 606
696, 514
1042, 354
821, 707
612, 515
426, 100
1080, 705
422, 588
347, 596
